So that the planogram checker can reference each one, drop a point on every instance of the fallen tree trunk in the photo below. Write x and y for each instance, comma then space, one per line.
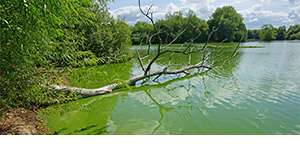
86, 92
131, 81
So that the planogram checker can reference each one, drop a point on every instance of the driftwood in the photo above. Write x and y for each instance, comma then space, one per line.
131, 81
161, 50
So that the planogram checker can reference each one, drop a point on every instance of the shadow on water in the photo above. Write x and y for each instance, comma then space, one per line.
161, 109
177, 109
86, 128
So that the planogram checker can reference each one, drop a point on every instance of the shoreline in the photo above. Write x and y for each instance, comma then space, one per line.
22, 121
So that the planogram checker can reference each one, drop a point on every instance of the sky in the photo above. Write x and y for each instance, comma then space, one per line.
255, 12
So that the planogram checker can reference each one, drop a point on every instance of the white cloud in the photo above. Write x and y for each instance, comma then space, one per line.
172, 8
294, 14
192, 1
238, 2
132, 14
202, 8
253, 20
292, 1
266, 1
255, 17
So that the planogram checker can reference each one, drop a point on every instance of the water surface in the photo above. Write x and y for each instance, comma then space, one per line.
257, 93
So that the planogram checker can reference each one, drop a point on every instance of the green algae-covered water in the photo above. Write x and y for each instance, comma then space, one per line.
257, 93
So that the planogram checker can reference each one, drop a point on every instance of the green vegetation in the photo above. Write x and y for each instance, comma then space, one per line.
98, 76
293, 33
253, 34
229, 23
141, 32
171, 27
268, 32
37, 36
175, 23
281, 33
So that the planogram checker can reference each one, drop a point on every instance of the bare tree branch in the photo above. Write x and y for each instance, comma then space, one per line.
140, 60
174, 39
235, 51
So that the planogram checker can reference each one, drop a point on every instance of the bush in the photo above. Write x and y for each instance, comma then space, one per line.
38, 35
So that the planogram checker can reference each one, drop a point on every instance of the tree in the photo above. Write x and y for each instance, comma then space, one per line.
253, 34
293, 32
250, 34
281, 33
194, 26
38, 35
171, 26
30, 32
174, 23
105, 36
229, 24
111, 40
141, 32
267, 33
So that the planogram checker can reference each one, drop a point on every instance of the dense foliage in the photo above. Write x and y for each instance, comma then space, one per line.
281, 33
175, 23
229, 23
170, 27
293, 33
268, 32
253, 34
37, 35
106, 37
141, 32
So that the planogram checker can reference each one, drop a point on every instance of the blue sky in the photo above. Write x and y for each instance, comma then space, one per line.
255, 12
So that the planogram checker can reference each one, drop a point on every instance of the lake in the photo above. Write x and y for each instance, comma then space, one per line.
258, 92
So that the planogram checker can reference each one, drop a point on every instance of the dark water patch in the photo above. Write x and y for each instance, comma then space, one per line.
84, 129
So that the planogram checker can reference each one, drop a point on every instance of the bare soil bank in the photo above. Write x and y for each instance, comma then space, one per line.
21, 121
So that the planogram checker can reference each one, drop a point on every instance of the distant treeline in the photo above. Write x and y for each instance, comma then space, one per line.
268, 32
229, 23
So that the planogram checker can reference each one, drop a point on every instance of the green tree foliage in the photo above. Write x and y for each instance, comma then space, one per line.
111, 41
281, 33
175, 23
106, 37
141, 32
293, 32
253, 34
194, 26
29, 31
39, 34
267, 33
230, 24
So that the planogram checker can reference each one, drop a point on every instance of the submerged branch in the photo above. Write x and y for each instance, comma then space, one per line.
131, 81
